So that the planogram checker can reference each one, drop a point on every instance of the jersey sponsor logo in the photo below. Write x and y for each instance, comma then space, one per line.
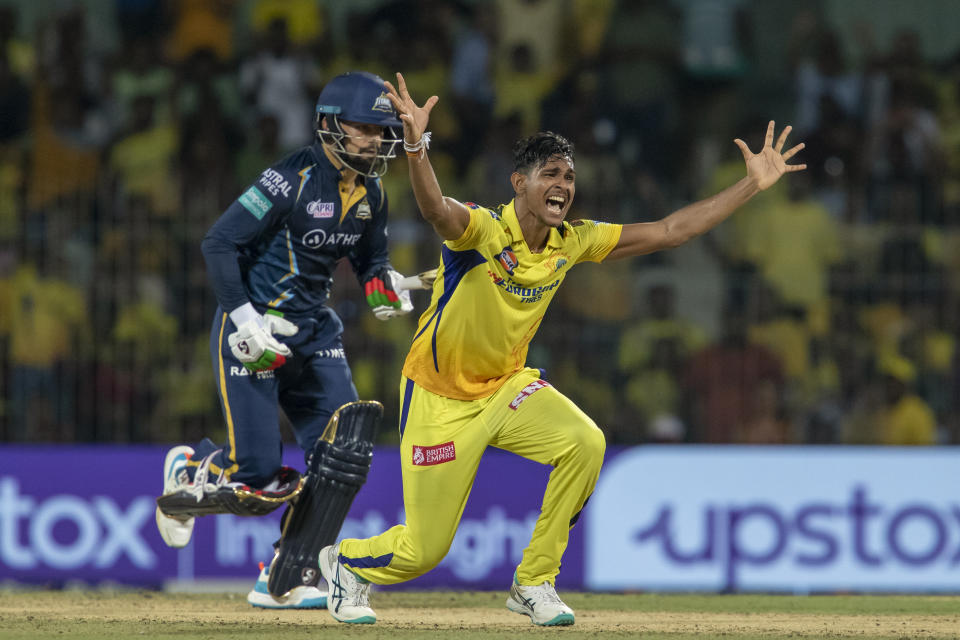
437, 454
274, 182
471, 205
528, 391
363, 210
508, 260
318, 209
318, 238
255, 202
337, 353
527, 294
382, 103
242, 372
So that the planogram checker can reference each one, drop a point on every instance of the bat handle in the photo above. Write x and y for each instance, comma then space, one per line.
410, 282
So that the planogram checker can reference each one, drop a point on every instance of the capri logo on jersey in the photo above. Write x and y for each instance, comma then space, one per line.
528, 391
437, 454
508, 260
255, 202
318, 209
382, 103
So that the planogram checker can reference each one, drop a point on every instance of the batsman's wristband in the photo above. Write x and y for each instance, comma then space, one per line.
417, 148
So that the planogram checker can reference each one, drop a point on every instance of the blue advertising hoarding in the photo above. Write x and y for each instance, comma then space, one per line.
666, 518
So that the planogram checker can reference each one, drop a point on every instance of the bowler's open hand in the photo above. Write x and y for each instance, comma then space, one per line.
414, 118
767, 166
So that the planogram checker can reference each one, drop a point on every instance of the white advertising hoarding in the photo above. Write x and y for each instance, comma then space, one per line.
796, 519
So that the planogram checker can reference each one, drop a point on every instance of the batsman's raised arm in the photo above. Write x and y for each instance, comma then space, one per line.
449, 217
763, 170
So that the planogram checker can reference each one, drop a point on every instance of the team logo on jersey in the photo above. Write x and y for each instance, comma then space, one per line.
471, 205
508, 260
528, 391
382, 103
437, 454
318, 209
363, 210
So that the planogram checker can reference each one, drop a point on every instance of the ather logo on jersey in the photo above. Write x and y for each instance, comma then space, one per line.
437, 454
319, 238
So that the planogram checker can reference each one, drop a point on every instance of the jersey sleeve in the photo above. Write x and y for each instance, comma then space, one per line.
240, 230
595, 239
371, 252
483, 223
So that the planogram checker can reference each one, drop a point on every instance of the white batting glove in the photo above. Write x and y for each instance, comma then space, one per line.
253, 343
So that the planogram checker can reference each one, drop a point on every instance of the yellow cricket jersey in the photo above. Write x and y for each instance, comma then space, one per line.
489, 297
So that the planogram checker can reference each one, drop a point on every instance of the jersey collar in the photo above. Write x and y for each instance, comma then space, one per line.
554, 240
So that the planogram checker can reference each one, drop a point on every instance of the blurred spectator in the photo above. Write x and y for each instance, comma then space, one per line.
282, 82
471, 85
639, 65
143, 160
765, 422
721, 379
521, 87
659, 321
825, 76
905, 418
45, 321
14, 102
306, 19
201, 24
262, 146
142, 72
539, 26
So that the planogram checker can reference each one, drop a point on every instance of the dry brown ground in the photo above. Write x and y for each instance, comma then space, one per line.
153, 611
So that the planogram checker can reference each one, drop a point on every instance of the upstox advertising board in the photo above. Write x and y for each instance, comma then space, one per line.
794, 519
663, 518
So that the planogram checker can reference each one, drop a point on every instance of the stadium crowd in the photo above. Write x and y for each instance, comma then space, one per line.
823, 312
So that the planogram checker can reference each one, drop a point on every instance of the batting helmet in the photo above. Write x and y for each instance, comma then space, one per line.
358, 96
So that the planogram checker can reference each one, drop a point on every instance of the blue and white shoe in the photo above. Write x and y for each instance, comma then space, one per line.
174, 531
541, 603
349, 597
297, 598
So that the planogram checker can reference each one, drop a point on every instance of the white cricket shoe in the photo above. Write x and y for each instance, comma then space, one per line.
174, 531
348, 598
541, 603
296, 598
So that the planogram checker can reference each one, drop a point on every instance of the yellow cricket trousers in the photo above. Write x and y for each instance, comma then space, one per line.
440, 449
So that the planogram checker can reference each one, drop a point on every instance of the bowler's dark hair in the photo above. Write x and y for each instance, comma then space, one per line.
535, 151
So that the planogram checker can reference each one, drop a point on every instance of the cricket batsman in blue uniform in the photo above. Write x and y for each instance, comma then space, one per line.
274, 342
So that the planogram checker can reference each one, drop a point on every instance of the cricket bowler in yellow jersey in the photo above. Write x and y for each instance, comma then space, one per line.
465, 385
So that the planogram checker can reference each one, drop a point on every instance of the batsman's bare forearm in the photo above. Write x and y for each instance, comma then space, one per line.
448, 217
683, 224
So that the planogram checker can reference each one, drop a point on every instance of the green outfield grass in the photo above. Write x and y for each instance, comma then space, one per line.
93, 615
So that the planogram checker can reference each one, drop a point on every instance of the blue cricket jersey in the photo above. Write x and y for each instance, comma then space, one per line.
278, 244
